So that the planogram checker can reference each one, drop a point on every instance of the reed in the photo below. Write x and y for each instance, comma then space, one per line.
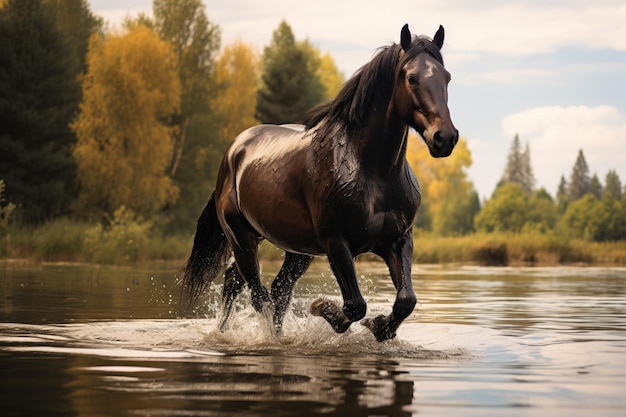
130, 240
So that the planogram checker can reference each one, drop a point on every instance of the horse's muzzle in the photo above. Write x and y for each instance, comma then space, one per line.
443, 143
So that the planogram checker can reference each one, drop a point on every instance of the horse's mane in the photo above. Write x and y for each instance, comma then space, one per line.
375, 79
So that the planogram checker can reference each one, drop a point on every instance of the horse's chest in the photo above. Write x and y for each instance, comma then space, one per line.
369, 210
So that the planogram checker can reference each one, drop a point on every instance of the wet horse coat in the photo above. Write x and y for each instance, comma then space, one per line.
339, 186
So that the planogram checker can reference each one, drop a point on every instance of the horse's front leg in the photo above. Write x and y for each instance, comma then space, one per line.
354, 307
399, 259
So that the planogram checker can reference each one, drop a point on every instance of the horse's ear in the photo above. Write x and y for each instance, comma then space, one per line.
405, 37
438, 39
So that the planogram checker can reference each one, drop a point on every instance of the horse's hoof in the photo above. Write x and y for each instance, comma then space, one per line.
379, 327
318, 306
332, 313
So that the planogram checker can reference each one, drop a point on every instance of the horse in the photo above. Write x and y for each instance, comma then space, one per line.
336, 185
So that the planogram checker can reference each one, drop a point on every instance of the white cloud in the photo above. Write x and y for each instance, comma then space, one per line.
556, 133
513, 28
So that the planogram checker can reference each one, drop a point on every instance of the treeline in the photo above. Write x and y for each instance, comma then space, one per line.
583, 208
95, 119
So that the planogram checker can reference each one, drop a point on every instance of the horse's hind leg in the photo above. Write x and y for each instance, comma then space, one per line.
245, 245
233, 285
294, 266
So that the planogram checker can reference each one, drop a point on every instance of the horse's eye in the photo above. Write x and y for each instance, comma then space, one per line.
411, 79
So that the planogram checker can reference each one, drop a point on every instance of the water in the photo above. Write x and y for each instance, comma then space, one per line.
94, 341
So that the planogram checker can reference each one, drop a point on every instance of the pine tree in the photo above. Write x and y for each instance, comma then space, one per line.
595, 187
613, 185
528, 177
39, 95
562, 197
290, 85
518, 169
77, 23
580, 182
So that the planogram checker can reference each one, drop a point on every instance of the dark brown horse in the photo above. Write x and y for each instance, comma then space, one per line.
339, 186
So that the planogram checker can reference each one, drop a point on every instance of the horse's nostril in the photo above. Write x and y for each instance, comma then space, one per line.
437, 139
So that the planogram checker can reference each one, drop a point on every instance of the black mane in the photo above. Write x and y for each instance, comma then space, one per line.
351, 106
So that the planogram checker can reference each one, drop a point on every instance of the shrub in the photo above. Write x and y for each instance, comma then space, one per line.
124, 240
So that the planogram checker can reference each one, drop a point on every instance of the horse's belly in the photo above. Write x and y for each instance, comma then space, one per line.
279, 216
288, 232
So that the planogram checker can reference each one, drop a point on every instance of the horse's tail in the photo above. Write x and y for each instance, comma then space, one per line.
209, 254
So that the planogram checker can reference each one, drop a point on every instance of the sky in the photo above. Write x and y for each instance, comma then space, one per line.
552, 72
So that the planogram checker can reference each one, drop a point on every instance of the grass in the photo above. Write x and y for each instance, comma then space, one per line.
128, 241
531, 248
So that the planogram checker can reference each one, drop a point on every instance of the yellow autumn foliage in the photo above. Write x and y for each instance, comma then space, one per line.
444, 182
237, 71
124, 142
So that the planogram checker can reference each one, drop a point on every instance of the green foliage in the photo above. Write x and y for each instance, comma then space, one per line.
6, 214
526, 248
578, 220
39, 96
198, 144
511, 210
595, 187
77, 23
613, 185
290, 84
579, 182
123, 240
542, 212
505, 211
59, 240
518, 168
594, 219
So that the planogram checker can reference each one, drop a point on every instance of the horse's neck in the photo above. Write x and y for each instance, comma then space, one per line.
384, 140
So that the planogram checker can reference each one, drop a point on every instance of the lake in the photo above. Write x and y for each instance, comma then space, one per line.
85, 340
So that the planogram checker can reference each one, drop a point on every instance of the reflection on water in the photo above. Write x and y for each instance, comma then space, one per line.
95, 341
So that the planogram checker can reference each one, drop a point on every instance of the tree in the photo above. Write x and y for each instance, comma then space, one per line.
198, 146
237, 71
289, 85
579, 182
39, 96
562, 195
542, 212
325, 68
448, 196
77, 23
518, 169
196, 41
595, 187
577, 221
528, 176
613, 185
332, 79
610, 221
505, 211
124, 146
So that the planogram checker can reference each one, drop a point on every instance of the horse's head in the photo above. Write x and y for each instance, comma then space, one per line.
422, 91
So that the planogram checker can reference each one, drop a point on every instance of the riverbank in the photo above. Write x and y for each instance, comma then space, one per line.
132, 243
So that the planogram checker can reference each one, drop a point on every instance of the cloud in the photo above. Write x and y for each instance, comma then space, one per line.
512, 28
556, 133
